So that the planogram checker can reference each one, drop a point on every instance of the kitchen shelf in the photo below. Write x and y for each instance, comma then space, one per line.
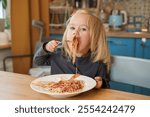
60, 14
5, 45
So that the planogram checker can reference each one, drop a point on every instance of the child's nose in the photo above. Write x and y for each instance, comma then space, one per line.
76, 33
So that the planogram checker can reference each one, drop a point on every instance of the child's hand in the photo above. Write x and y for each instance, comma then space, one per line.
52, 45
98, 82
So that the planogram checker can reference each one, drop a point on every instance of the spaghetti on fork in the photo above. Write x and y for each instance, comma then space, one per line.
75, 43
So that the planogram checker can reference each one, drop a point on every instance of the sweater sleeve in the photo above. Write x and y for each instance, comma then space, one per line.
42, 57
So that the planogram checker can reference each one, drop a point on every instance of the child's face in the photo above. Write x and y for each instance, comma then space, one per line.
78, 27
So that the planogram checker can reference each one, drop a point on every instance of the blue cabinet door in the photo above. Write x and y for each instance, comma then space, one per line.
121, 46
143, 48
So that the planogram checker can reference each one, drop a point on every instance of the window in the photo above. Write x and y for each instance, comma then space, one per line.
1, 10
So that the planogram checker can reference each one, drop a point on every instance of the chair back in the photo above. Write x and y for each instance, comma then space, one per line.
129, 70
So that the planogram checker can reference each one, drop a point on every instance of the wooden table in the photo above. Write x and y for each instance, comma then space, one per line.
17, 87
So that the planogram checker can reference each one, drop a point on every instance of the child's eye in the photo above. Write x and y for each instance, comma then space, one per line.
72, 28
83, 29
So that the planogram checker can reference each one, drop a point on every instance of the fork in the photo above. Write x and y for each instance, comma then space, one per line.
74, 76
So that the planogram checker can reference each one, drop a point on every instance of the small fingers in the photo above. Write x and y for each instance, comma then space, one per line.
98, 82
52, 45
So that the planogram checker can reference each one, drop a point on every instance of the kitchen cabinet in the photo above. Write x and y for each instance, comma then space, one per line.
129, 88
142, 48
121, 46
133, 47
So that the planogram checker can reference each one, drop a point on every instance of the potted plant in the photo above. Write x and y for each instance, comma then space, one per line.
5, 24
4, 5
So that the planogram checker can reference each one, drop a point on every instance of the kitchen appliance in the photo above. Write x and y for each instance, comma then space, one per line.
117, 19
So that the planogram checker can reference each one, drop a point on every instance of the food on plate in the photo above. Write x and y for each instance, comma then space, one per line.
62, 86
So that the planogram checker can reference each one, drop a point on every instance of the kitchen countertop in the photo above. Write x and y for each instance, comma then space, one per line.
5, 45
109, 34
128, 34
116, 34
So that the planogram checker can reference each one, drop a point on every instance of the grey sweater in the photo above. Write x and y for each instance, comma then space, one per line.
61, 64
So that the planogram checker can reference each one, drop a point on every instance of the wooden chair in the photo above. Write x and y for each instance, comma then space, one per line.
130, 70
59, 13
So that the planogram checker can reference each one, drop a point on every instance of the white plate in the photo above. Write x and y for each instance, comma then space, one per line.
89, 84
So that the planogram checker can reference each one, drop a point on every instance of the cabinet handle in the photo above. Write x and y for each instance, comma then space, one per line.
143, 42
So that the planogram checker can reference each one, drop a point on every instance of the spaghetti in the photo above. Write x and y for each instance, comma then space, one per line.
63, 86
75, 43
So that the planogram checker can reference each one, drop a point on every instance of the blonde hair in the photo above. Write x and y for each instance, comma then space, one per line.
98, 37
